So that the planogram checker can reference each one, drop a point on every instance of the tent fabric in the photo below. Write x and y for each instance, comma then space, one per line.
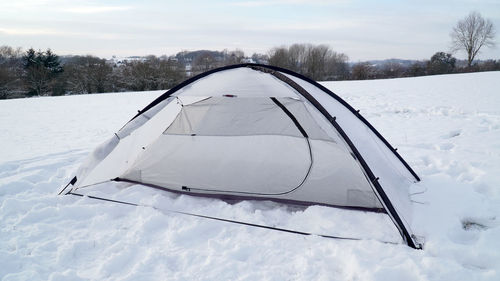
239, 82
258, 132
395, 178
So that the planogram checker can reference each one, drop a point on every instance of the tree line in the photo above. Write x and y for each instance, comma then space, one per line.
439, 63
43, 73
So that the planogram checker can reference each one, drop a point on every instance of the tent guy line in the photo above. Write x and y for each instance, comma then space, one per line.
225, 220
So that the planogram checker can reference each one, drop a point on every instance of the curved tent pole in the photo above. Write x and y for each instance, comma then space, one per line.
355, 112
275, 68
379, 190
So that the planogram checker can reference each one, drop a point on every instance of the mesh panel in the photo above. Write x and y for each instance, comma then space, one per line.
224, 116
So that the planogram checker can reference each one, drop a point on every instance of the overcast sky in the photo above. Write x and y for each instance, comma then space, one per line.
362, 29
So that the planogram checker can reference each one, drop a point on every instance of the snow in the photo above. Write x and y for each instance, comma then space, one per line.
447, 127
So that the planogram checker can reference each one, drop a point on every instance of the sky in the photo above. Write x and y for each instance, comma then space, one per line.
364, 30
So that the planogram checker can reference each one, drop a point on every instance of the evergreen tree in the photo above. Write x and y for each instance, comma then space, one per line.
441, 63
41, 69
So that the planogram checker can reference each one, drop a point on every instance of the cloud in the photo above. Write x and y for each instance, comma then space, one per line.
28, 31
310, 26
75, 6
50, 33
260, 3
95, 9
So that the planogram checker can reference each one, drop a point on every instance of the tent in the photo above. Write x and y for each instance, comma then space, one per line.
258, 132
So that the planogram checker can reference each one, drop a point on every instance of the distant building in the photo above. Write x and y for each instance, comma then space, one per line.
247, 60
188, 69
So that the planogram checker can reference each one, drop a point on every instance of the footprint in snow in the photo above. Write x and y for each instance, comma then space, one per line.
452, 134
470, 223
446, 146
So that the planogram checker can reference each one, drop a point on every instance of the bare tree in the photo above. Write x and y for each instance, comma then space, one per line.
392, 70
278, 56
10, 72
87, 74
417, 68
233, 57
471, 34
151, 73
318, 62
363, 71
260, 58
316, 57
204, 62
297, 57
5, 79
336, 66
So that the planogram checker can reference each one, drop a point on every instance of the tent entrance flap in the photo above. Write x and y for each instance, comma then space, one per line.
263, 164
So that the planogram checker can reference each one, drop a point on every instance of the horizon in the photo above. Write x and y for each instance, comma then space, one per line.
364, 31
249, 55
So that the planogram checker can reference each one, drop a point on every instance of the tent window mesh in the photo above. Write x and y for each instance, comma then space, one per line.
223, 116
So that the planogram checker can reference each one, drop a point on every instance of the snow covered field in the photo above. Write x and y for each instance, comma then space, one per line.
447, 128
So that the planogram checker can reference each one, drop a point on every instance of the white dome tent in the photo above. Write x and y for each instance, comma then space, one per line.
258, 132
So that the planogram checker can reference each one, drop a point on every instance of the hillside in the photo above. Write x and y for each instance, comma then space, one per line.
447, 127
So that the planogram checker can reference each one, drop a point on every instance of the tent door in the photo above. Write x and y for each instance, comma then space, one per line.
229, 145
